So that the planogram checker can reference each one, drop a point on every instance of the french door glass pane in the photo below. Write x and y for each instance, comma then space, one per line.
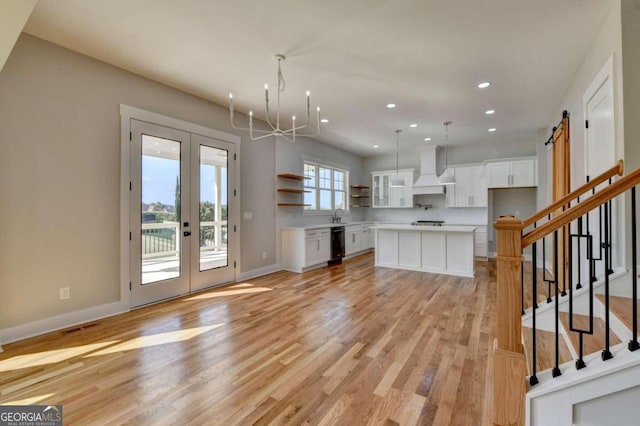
160, 207
213, 207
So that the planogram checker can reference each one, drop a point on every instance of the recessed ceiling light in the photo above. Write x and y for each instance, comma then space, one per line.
413, 125
484, 85
427, 139
324, 120
391, 105
493, 129
490, 111
376, 146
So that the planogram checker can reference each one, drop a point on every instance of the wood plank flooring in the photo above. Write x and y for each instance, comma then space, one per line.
545, 349
351, 344
622, 308
592, 342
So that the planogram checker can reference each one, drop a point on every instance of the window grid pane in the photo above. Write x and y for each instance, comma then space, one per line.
327, 187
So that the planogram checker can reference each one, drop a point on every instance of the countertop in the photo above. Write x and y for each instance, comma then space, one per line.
397, 226
326, 225
417, 228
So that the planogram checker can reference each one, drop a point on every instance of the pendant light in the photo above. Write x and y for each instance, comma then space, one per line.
446, 178
397, 181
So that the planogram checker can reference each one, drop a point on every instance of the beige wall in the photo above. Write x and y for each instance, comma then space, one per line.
13, 16
59, 178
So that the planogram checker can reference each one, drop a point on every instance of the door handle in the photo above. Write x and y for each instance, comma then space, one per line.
186, 233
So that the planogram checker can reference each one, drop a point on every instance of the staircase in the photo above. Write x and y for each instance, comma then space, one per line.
567, 340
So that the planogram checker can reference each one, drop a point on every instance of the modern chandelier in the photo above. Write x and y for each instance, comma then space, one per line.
288, 134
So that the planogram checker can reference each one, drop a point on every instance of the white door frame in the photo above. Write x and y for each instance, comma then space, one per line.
607, 73
127, 113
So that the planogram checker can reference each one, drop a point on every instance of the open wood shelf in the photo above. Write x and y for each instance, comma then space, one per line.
292, 190
358, 206
292, 205
359, 196
292, 176
359, 186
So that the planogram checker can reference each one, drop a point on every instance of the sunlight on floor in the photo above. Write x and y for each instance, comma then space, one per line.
234, 290
50, 357
155, 340
30, 400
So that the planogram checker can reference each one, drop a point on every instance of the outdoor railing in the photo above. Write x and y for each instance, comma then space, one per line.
159, 239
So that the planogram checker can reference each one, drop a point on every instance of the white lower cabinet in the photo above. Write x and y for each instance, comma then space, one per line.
387, 248
317, 249
409, 249
357, 238
303, 249
481, 242
459, 251
433, 251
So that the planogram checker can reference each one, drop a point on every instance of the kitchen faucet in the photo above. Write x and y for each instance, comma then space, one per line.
336, 218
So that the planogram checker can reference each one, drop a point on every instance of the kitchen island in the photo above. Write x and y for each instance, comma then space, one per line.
443, 249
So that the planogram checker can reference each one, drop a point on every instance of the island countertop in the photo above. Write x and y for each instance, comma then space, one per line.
421, 228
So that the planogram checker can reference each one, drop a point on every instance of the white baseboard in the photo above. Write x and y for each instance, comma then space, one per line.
47, 325
258, 272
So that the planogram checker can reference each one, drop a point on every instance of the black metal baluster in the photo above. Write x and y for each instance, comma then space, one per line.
544, 267
556, 370
610, 223
606, 353
579, 283
633, 344
534, 277
522, 283
565, 229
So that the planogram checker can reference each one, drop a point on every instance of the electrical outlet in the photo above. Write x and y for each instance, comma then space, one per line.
65, 293
517, 213
264, 254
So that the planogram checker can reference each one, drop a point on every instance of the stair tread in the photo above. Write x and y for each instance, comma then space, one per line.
545, 349
622, 308
592, 342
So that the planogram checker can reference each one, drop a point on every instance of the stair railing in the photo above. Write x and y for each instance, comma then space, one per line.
510, 369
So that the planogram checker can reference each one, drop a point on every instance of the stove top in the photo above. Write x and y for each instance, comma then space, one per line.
428, 223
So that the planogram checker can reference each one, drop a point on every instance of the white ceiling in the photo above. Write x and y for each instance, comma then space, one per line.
355, 56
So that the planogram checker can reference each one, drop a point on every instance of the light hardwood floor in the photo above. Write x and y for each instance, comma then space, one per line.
351, 344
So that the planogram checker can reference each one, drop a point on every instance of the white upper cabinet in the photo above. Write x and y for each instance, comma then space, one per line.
518, 172
470, 189
386, 196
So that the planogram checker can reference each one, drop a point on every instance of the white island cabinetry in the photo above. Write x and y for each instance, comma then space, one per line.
441, 249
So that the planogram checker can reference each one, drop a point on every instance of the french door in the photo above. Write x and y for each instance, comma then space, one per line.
180, 218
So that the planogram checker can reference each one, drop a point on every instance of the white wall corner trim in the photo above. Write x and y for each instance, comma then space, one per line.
58, 322
258, 272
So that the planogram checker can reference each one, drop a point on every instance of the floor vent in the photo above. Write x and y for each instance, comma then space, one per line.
80, 328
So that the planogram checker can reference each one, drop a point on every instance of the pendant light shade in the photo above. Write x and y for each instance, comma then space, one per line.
446, 178
397, 181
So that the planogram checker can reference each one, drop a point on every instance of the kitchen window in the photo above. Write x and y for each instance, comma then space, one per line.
326, 186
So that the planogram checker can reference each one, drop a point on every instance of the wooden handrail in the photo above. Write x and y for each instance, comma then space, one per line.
618, 169
583, 208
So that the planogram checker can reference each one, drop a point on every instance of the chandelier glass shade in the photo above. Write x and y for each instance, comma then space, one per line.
277, 128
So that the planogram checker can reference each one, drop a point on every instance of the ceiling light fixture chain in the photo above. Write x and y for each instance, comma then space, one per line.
397, 180
288, 134
447, 177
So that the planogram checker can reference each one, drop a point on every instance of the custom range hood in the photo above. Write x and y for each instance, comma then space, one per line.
428, 182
